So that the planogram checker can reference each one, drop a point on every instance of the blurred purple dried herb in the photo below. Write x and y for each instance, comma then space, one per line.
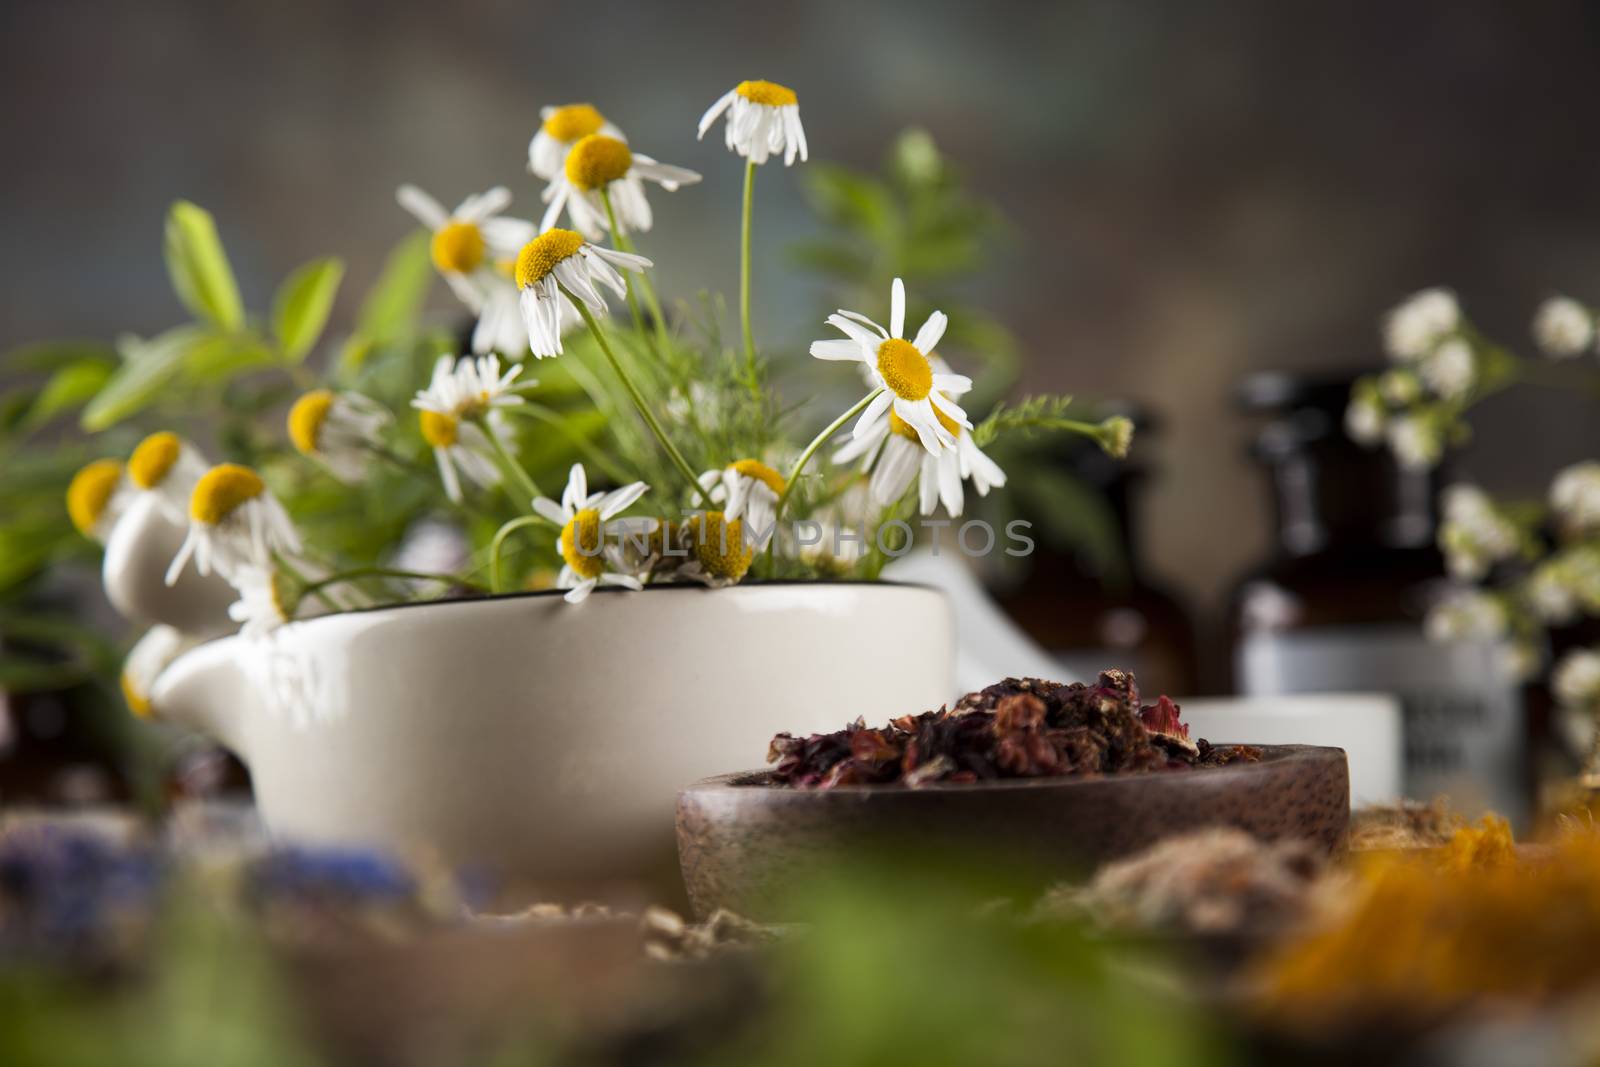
1018, 728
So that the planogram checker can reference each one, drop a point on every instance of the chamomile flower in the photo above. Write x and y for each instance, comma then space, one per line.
747, 489
896, 456
559, 129
168, 467
339, 429
763, 119
458, 410
720, 552
561, 259
587, 560
469, 388
234, 520
600, 163
96, 498
909, 385
467, 241
150, 656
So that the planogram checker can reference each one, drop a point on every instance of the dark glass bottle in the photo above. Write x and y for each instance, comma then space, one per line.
1088, 597
1338, 606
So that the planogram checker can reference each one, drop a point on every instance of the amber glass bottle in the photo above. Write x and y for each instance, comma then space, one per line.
1338, 605
1085, 594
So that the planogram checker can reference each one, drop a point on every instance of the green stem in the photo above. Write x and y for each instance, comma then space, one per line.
744, 270
499, 541
357, 573
800, 466
638, 400
508, 462
307, 588
620, 243
811, 450
623, 243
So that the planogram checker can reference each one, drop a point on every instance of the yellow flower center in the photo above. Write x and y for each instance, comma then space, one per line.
306, 419
754, 468
719, 545
152, 461
91, 491
540, 255
222, 490
597, 161
458, 247
905, 429
439, 430
904, 369
769, 93
573, 122
580, 544
137, 702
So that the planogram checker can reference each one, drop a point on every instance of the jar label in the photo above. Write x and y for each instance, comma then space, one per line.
1462, 708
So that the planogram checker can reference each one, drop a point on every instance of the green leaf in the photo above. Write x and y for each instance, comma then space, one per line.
147, 366
53, 355
300, 309
221, 356
393, 303
70, 387
199, 268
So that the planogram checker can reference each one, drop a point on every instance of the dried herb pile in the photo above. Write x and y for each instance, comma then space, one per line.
1018, 728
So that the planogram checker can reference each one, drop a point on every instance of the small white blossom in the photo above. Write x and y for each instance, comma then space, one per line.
1365, 420
1576, 679
1550, 594
1563, 328
1467, 615
1411, 330
1400, 387
1474, 533
1449, 370
1414, 441
1575, 496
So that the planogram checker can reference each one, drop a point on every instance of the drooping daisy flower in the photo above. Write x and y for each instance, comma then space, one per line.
150, 656
559, 129
1563, 328
599, 163
896, 456
339, 429
763, 119
499, 327
910, 385
96, 498
234, 520
457, 412
720, 552
467, 241
747, 489
587, 559
1411, 330
561, 259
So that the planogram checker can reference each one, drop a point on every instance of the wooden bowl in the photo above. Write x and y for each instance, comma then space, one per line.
742, 842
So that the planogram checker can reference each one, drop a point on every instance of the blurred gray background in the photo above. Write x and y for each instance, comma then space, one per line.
1198, 189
